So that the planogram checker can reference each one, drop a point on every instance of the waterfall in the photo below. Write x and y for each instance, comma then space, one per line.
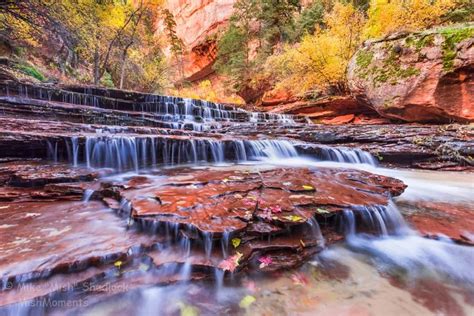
273, 149
348, 155
380, 220
182, 112
87, 195
135, 153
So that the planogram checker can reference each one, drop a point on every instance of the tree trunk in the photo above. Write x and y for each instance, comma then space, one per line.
96, 66
123, 66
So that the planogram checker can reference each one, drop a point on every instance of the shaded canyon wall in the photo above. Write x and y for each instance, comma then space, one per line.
197, 23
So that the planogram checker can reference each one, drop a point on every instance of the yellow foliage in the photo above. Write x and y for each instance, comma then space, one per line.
20, 29
205, 90
388, 16
321, 59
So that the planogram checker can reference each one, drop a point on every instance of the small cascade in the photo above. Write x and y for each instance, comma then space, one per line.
208, 244
316, 231
53, 151
225, 244
87, 195
185, 271
75, 150
273, 149
347, 155
379, 220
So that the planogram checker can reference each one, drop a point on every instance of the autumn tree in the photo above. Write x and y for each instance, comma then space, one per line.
234, 51
388, 16
100, 35
321, 59
256, 29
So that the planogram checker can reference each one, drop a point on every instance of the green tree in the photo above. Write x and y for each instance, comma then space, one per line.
256, 29
176, 43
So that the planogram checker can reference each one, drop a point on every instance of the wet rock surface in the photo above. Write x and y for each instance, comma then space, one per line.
219, 202
32, 116
209, 219
440, 220
95, 201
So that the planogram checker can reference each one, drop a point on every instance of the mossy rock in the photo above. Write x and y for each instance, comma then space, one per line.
30, 70
427, 71
452, 37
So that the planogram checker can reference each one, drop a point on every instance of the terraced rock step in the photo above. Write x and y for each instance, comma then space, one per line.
231, 202
447, 147
224, 219
106, 188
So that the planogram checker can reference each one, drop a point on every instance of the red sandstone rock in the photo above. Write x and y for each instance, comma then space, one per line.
39, 239
279, 97
324, 109
343, 119
216, 202
436, 219
196, 22
418, 77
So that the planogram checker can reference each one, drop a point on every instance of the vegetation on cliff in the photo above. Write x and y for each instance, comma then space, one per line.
302, 48
319, 41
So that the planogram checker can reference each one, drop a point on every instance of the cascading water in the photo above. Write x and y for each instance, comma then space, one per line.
380, 220
378, 232
172, 112
349, 155
134, 153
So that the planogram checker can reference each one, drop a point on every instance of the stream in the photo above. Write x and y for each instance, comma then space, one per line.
101, 248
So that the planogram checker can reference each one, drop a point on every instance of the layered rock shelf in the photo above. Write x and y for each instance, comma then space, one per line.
80, 112
103, 188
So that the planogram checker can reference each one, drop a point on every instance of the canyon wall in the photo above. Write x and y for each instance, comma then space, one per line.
197, 23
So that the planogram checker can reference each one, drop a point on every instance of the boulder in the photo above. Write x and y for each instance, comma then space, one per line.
418, 77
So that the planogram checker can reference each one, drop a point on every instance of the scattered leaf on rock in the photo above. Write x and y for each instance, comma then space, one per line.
265, 261
236, 242
293, 218
320, 210
231, 263
187, 310
299, 279
247, 301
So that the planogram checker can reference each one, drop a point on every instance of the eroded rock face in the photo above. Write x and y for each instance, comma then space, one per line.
220, 202
436, 219
422, 77
196, 23
328, 110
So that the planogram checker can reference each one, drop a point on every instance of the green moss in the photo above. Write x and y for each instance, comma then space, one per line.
392, 70
364, 58
425, 41
452, 37
381, 76
420, 41
31, 71
107, 81
409, 72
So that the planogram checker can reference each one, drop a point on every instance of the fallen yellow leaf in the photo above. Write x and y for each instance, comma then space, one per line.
236, 242
247, 301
